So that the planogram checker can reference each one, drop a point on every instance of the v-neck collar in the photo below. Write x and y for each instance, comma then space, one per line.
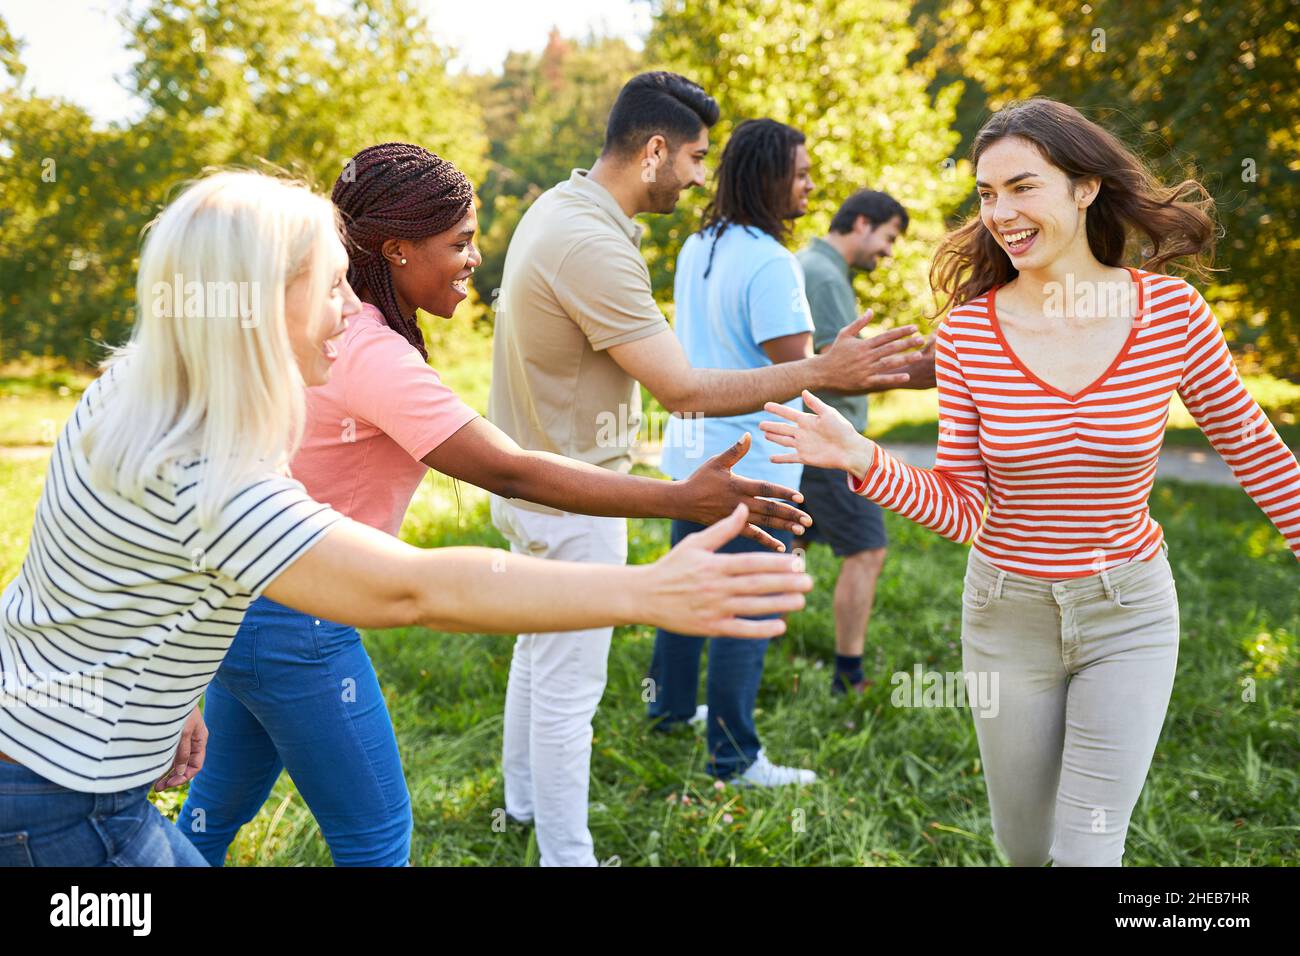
1051, 389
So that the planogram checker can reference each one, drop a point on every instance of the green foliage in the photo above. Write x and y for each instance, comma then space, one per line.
1199, 87
837, 70
545, 115
260, 84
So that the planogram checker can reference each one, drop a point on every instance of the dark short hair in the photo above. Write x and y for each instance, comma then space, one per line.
658, 103
878, 207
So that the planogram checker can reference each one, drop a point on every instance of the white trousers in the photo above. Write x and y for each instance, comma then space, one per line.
556, 682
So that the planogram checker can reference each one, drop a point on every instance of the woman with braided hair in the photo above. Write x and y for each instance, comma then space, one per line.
299, 693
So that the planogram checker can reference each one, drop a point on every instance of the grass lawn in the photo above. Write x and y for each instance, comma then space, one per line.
898, 786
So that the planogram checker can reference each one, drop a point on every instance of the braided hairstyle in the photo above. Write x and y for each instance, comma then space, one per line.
754, 180
396, 191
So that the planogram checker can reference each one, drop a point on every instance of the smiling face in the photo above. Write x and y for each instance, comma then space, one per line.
801, 182
671, 179
436, 274
1030, 206
313, 326
871, 244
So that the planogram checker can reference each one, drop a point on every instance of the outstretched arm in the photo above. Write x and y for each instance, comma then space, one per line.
852, 363
948, 498
1236, 426
357, 575
484, 455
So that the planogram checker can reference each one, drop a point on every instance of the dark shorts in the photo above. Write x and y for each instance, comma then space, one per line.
847, 522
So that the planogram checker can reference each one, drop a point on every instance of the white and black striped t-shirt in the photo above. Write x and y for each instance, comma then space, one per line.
122, 612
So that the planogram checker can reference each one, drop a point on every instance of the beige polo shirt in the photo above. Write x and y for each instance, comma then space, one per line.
574, 284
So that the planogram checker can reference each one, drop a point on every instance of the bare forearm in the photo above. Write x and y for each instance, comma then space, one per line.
496, 592
559, 482
715, 392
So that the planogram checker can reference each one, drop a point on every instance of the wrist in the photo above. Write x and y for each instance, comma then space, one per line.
636, 594
819, 372
862, 458
678, 499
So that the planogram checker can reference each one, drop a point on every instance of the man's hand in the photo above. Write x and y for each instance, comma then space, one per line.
713, 492
855, 364
920, 367
189, 753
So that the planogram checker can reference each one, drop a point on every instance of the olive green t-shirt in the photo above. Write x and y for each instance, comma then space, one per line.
574, 284
834, 306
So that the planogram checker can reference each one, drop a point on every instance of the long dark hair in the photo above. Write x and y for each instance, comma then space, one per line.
396, 191
754, 179
1177, 221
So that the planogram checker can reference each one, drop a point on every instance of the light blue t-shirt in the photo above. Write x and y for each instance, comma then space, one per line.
754, 292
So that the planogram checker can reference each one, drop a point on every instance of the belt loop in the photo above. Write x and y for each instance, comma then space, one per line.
1109, 588
997, 586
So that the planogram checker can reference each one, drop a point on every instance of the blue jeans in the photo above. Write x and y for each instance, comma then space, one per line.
735, 671
44, 824
300, 694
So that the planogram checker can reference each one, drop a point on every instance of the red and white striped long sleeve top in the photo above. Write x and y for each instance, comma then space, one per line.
1067, 477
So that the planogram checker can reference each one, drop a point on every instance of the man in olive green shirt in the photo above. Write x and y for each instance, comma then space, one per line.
863, 230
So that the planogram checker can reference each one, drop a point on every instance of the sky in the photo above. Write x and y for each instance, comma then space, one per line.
75, 48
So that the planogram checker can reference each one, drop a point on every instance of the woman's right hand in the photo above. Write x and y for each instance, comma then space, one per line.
693, 590
821, 437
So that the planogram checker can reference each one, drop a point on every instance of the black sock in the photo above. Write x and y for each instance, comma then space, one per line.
848, 669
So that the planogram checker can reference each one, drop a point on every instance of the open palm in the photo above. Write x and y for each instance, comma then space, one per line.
821, 437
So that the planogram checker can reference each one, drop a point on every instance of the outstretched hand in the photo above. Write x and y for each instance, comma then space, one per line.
714, 490
697, 591
821, 437
876, 364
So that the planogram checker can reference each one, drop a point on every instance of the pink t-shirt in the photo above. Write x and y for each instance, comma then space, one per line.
367, 428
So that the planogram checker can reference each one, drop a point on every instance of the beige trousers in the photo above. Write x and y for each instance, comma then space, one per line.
1083, 670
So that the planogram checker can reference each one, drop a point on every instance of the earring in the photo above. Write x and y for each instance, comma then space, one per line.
403, 260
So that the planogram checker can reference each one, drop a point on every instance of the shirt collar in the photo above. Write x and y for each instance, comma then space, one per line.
583, 185
820, 245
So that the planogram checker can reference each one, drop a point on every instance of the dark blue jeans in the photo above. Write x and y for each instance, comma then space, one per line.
735, 671
44, 824
300, 694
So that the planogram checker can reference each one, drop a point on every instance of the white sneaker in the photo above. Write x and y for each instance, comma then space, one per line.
701, 717
763, 773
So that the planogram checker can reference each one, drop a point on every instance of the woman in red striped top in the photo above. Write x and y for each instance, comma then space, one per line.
1056, 366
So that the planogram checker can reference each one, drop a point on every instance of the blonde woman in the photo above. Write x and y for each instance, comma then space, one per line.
1053, 411
166, 512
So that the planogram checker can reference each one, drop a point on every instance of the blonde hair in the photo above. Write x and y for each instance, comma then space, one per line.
205, 375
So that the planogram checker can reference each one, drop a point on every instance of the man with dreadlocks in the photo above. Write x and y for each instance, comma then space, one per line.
740, 304
299, 693
577, 326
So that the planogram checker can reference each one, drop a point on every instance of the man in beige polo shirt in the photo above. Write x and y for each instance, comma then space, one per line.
577, 327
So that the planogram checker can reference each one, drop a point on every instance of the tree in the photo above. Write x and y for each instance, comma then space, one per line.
838, 71
1199, 88
546, 115
249, 84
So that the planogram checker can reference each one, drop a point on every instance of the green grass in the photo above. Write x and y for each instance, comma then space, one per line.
899, 786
